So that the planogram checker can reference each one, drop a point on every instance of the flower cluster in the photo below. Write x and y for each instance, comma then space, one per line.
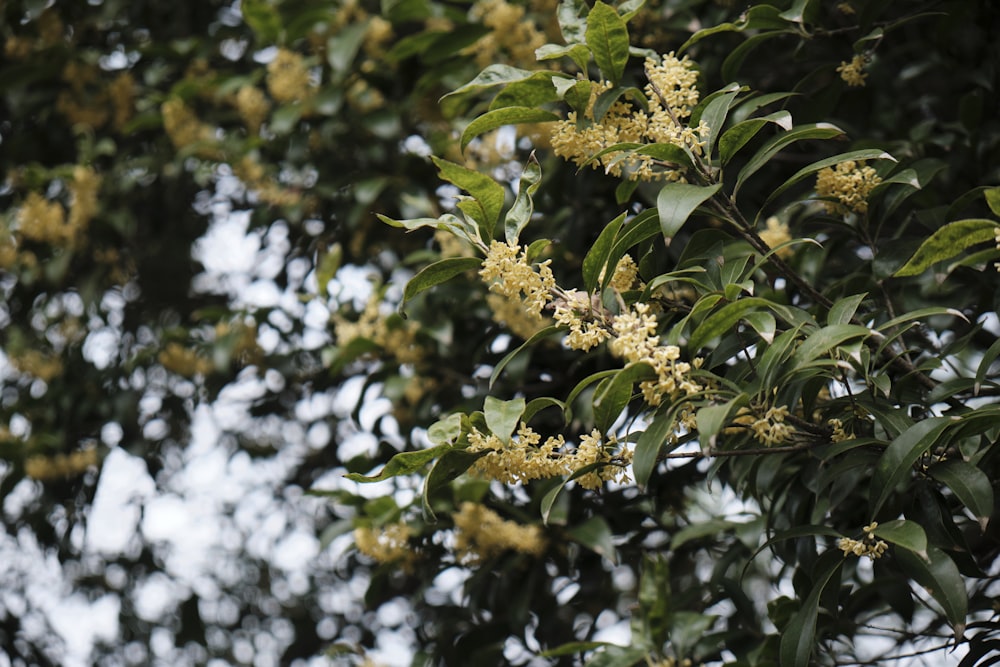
850, 183
512, 276
584, 318
866, 546
672, 94
388, 544
183, 126
853, 72
637, 341
266, 188
184, 361
511, 314
61, 466
394, 335
36, 363
288, 78
768, 428
776, 234
253, 107
526, 458
510, 33
481, 534
837, 431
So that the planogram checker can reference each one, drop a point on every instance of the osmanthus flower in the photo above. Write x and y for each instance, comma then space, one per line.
525, 457
511, 275
671, 94
867, 546
775, 234
768, 427
387, 544
850, 183
637, 341
852, 72
481, 534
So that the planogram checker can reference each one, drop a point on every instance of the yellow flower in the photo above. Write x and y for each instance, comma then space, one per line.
853, 72
776, 234
482, 534
388, 544
850, 183
288, 78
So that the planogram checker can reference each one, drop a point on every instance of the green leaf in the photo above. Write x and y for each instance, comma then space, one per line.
677, 201
822, 341
947, 242
755, 18
648, 446
549, 499
843, 310
263, 19
865, 154
798, 637
446, 431
940, 576
612, 396
492, 76
437, 273
715, 114
327, 267
343, 47
453, 463
724, 319
969, 484
520, 211
736, 137
403, 463
896, 462
572, 648
993, 200
596, 259
578, 53
907, 534
502, 417
537, 336
489, 194
712, 418
596, 535
491, 120
731, 65
531, 92
607, 37
776, 144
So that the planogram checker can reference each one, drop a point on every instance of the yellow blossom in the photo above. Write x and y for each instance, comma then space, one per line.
44, 221
184, 361
60, 466
83, 197
853, 72
636, 341
395, 336
776, 234
577, 311
388, 544
672, 95
850, 183
512, 276
512, 314
182, 125
253, 107
121, 90
867, 546
288, 78
512, 36
481, 534
39, 364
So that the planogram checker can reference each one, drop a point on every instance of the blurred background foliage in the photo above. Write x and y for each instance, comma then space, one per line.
195, 280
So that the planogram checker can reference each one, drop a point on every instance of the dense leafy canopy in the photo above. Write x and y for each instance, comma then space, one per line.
492, 332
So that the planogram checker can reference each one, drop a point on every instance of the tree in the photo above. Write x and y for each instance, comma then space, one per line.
694, 347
